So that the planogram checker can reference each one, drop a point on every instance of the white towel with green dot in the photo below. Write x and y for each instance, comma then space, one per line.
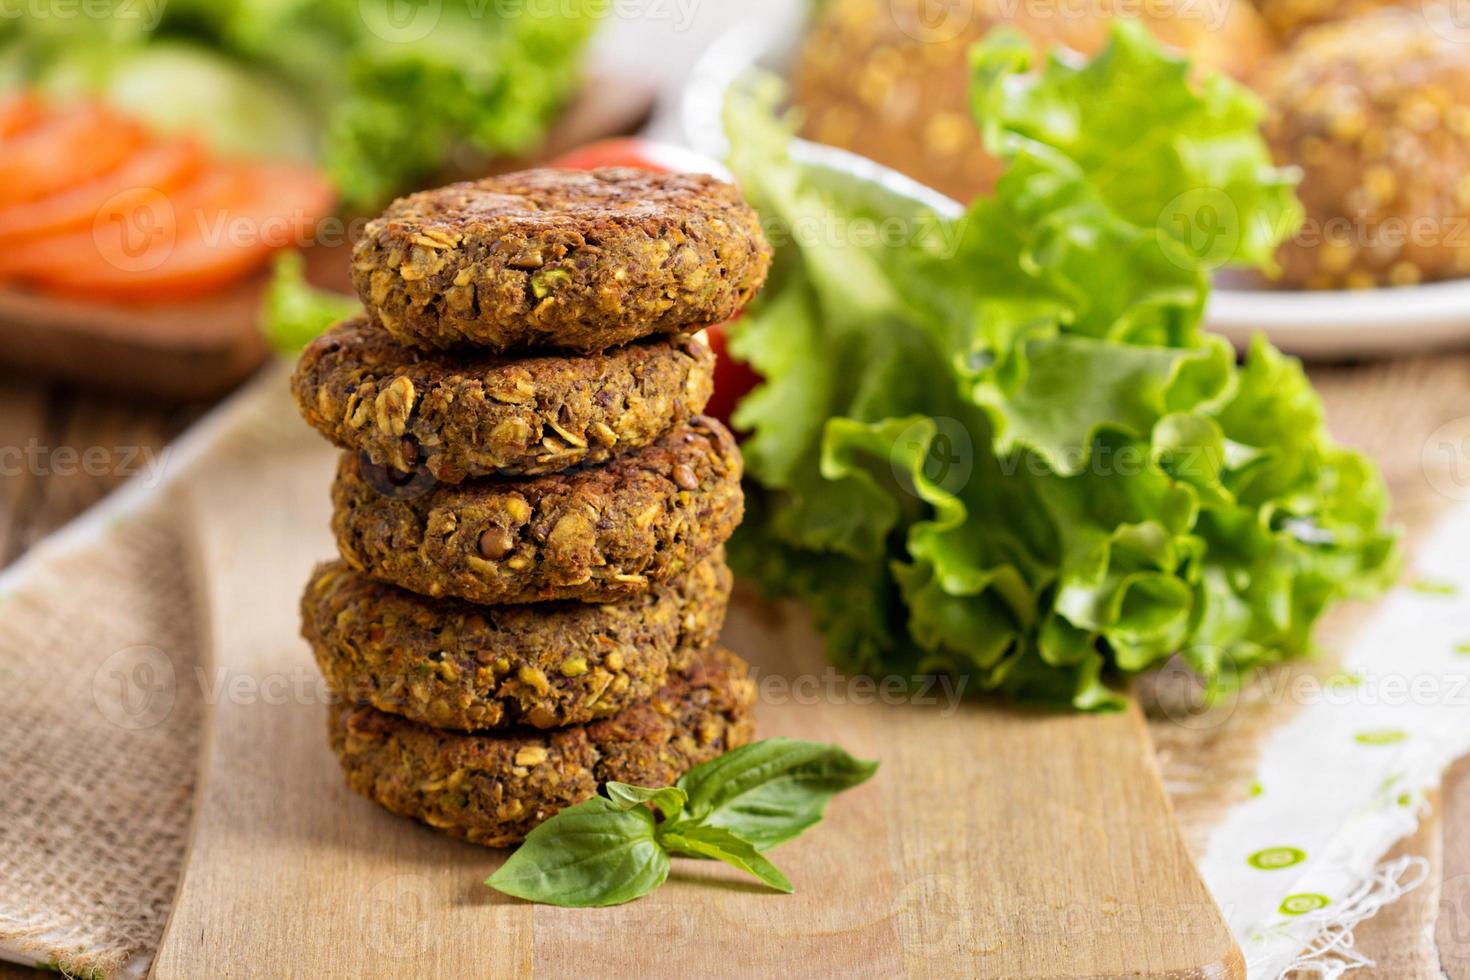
1297, 865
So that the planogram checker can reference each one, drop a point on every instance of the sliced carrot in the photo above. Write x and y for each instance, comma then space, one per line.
221, 228
159, 168
19, 113
65, 150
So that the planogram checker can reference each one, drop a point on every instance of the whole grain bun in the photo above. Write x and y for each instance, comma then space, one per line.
1376, 113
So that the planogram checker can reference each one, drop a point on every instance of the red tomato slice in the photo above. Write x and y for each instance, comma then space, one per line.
129, 231
157, 169
661, 158
223, 227
65, 150
733, 379
19, 113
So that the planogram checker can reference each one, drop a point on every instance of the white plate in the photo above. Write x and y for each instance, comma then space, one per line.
1325, 325
1320, 325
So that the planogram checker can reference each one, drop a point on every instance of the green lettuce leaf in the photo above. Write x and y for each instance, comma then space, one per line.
386, 93
1000, 444
293, 312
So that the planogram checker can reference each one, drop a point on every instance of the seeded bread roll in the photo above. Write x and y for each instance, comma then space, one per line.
493, 789
1376, 113
468, 415
451, 664
593, 535
564, 259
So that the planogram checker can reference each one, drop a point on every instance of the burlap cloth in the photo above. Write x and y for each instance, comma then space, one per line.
99, 745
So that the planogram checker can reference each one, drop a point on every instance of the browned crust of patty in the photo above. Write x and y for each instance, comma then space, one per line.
594, 535
452, 664
493, 789
574, 260
482, 414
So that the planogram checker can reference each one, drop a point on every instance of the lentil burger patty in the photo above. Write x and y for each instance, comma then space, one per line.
578, 260
451, 664
594, 535
494, 788
482, 414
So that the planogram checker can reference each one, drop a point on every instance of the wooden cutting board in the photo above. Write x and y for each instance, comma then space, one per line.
992, 843
203, 348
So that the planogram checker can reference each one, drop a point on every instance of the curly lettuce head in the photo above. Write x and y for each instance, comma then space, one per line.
1000, 443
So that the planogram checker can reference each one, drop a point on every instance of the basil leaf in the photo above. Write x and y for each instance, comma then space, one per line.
587, 856
721, 845
770, 791
669, 800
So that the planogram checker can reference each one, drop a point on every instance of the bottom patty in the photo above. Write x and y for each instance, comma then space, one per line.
493, 788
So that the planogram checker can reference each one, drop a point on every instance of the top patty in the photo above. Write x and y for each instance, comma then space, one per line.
566, 259
486, 414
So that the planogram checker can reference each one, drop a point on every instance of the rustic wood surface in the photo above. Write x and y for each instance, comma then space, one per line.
1391, 410
1077, 869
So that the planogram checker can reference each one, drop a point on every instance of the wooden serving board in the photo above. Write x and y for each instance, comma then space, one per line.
202, 348
993, 842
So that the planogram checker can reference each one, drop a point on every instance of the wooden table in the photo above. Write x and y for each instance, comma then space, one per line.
62, 450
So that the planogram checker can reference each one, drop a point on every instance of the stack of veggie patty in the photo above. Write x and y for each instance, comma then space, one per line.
531, 511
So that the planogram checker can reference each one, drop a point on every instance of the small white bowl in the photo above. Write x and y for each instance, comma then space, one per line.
1318, 325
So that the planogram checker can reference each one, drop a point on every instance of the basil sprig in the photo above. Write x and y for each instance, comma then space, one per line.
613, 849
